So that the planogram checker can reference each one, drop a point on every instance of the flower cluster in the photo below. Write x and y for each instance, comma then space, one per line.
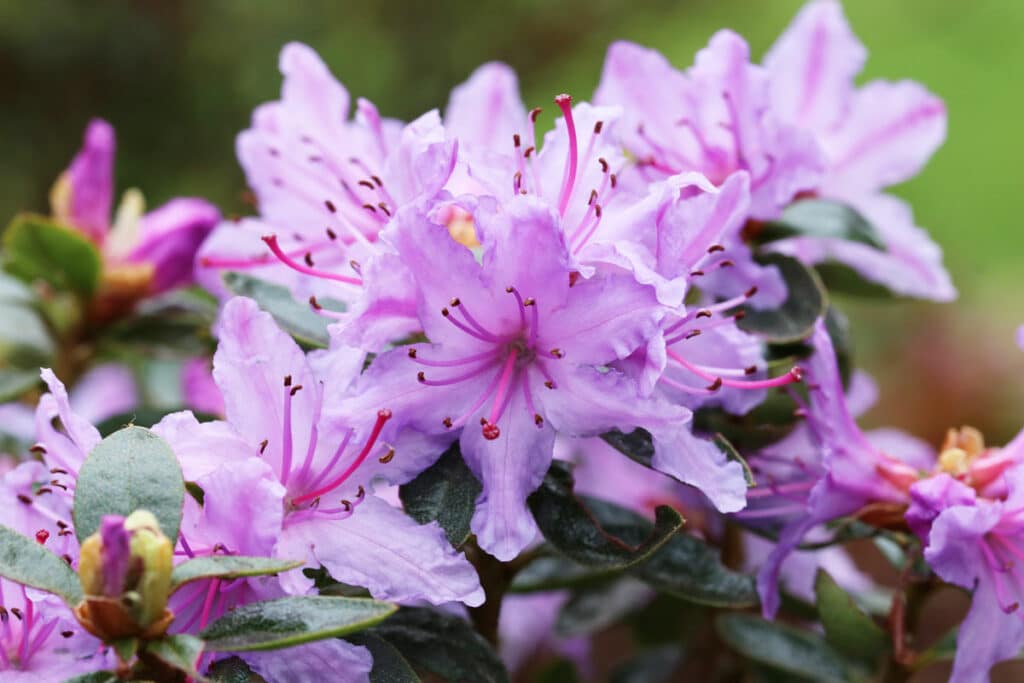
482, 291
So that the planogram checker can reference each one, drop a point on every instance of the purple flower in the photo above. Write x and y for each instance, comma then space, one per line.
272, 396
874, 136
326, 187
974, 542
519, 352
162, 242
714, 119
40, 640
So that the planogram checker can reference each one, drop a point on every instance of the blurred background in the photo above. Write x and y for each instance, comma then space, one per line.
179, 79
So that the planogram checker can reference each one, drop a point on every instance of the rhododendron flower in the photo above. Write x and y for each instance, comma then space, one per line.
874, 136
326, 187
273, 401
520, 351
150, 251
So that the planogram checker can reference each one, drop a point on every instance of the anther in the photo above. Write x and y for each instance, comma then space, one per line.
739, 315
384, 460
445, 312
491, 431
454, 302
360, 491
347, 505
604, 164
528, 151
308, 258
287, 380
43, 489
549, 384
537, 419
66, 634
57, 470
750, 370
3, 614
593, 197
797, 373
412, 353
41, 536
331, 235
314, 303
447, 422
366, 183
516, 141
330, 206
16, 612
370, 207
703, 313
377, 180
421, 377
614, 180
39, 449
597, 127
557, 353
715, 247
691, 334
597, 210
716, 385
750, 292
263, 445
529, 301
696, 273
534, 113
295, 389
24, 499
384, 207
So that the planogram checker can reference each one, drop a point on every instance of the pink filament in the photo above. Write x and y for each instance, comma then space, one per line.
564, 103
271, 241
382, 417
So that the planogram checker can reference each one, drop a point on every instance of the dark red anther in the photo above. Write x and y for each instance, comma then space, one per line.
295, 389
41, 536
308, 258
597, 127
314, 303
330, 206
604, 164
716, 385
534, 113
287, 380
516, 141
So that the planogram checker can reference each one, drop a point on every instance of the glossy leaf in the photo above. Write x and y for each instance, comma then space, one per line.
389, 666
296, 318
841, 278
180, 651
292, 621
25, 561
794, 318
233, 670
821, 218
37, 249
553, 572
445, 492
590, 610
442, 644
847, 627
227, 567
782, 647
132, 469
651, 666
593, 532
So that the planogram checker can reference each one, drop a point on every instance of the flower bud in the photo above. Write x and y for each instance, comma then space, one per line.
125, 571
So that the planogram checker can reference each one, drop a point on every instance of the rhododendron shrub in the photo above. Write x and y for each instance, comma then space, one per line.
463, 394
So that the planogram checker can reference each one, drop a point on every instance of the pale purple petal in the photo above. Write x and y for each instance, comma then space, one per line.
422, 163
486, 110
68, 447
891, 131
986, 636
381, 548
310, 89
255, 366
199, 389
601, 470
386, 310
931, 497
912, 450
91, 179
104, 391
862, 393
17, 420
324, 660
812, 66
510, 467
169, 238
241, 490
202, 447
701, 464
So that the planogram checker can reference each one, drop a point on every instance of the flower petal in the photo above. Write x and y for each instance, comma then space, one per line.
202, 447
91, 180
104, 391
986, 636
486, 109
381, 548
334, 659
170, 236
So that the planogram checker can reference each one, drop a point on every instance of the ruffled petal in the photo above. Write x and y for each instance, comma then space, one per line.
324, 660
202, 447
486, 110
986, 636
170, 236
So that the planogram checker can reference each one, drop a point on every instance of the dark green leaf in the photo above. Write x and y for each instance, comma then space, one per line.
805, 303
690, 569
442, 644
233, 670
227, 567
821, 218
14, 382
595, 533
558, 671
552, 572
37, 249
841, 278
651, 666
592, 609
389, 666
133, 469
292, 621
25, 340
179, 651
126, 648
768, 423
296, 318
446, 492
95, 677
847, 627
24, 561
783, 647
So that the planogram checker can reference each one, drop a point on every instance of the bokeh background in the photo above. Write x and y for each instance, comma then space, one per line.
179, 79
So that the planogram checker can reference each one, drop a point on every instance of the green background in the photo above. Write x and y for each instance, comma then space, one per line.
178, 80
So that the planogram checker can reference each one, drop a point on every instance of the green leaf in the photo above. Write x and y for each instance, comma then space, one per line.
590, 610
126, 648
797, 652
179, 651
651, 666
821, 218
442, 644
768, 423
296, 318
132, 469
847, 627
24, 561
389, 666
227, 567
804, 304
25, 340
841, 278
233, 670
553, 572
593, 532
446, 492
14, 382
95, 677
292, 621
37, 249
689, 569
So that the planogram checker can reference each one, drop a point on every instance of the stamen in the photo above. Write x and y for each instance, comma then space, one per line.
490, 427
271, 241
564, 103
382, 417
286, 431
486, 355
